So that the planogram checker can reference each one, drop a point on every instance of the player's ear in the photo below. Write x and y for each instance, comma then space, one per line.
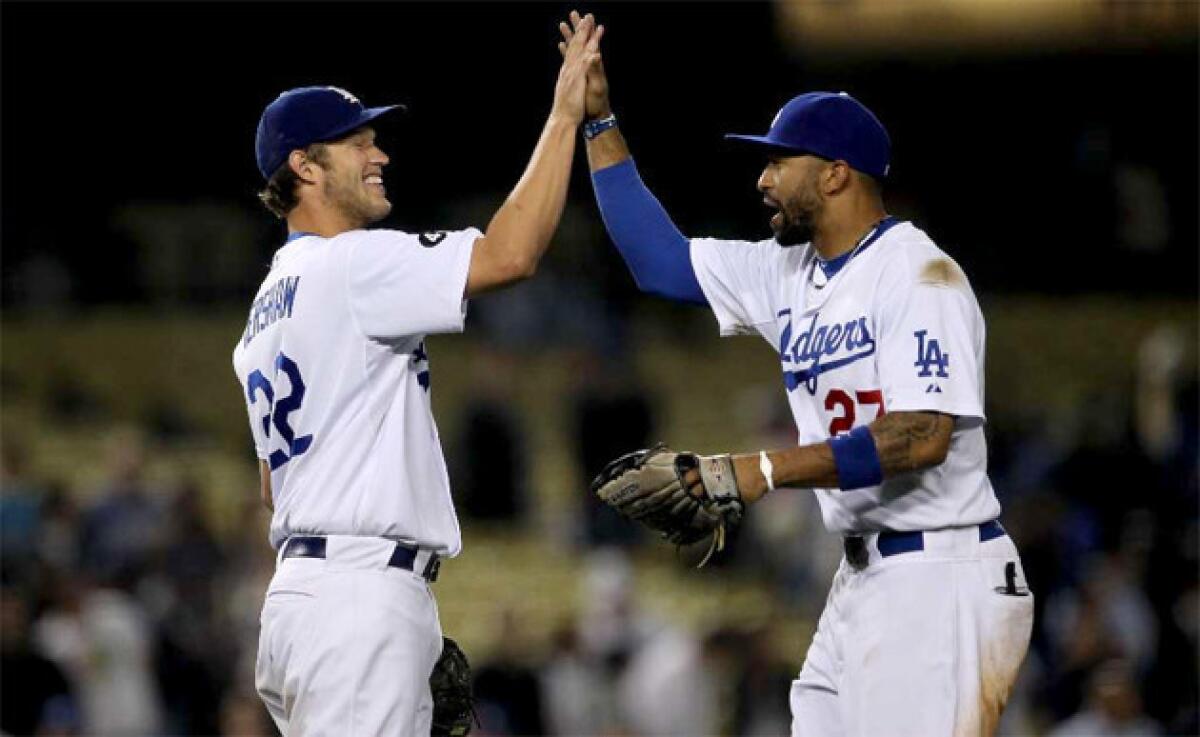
302, 166
836, 177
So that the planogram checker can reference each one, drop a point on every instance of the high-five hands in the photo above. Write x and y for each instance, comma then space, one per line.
597, 105
581, 52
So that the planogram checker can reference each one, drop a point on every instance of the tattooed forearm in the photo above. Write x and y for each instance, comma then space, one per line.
911, 441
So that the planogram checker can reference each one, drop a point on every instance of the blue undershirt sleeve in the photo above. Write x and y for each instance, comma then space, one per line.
658, 255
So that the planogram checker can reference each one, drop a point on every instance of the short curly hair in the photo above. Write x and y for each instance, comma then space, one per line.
280, 195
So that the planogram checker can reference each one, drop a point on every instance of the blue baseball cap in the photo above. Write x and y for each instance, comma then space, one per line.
308, 115
832, 125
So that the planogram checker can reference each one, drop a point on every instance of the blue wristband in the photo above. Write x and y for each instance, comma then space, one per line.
593, 128
856, 459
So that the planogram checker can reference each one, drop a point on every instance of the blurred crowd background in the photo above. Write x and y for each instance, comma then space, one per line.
1050, 146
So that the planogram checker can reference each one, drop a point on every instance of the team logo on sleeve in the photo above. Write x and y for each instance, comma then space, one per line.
931, 360
432, 238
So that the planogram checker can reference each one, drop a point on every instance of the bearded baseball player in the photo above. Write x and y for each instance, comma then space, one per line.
335, 374
881, 345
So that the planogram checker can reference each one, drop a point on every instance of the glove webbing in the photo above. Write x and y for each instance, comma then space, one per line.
720, 485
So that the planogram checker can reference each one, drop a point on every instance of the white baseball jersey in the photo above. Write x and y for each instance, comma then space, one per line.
896, 328
336, 381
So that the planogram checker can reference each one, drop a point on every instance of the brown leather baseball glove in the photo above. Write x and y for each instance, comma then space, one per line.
657, 488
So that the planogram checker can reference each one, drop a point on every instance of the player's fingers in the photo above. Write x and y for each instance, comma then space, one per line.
574, 35
593, 43
583, 32
585, 26
562, 49
575, 19
596, 62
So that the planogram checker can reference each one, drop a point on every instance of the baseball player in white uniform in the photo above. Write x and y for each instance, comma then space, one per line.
881, 348
336, 377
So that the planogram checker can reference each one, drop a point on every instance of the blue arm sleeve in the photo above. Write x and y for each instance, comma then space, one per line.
657, 254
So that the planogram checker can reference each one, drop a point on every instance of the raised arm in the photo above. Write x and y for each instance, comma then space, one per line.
521, 229
657, 253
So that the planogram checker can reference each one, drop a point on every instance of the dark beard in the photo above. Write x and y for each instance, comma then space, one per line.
795, 231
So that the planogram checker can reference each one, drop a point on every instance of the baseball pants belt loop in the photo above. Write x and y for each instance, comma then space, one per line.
403, 556
891, 543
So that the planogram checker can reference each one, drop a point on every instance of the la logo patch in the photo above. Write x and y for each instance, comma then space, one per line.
930, 356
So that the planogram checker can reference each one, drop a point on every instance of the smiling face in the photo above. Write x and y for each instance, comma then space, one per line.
790, 186
352, 180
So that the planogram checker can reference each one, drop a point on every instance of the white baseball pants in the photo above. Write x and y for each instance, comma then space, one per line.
347, 644
925, 643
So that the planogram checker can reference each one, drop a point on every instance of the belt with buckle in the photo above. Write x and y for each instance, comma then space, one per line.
403, 556
892, 543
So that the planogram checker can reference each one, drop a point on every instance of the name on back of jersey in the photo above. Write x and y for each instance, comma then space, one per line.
272, 305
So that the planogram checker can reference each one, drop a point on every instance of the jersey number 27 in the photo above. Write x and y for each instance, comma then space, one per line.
836, 398
279, 411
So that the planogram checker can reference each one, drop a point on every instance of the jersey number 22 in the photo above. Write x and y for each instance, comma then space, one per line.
279, 411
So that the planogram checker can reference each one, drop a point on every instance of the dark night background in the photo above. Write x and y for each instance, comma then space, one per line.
1050, 146
1005, 153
